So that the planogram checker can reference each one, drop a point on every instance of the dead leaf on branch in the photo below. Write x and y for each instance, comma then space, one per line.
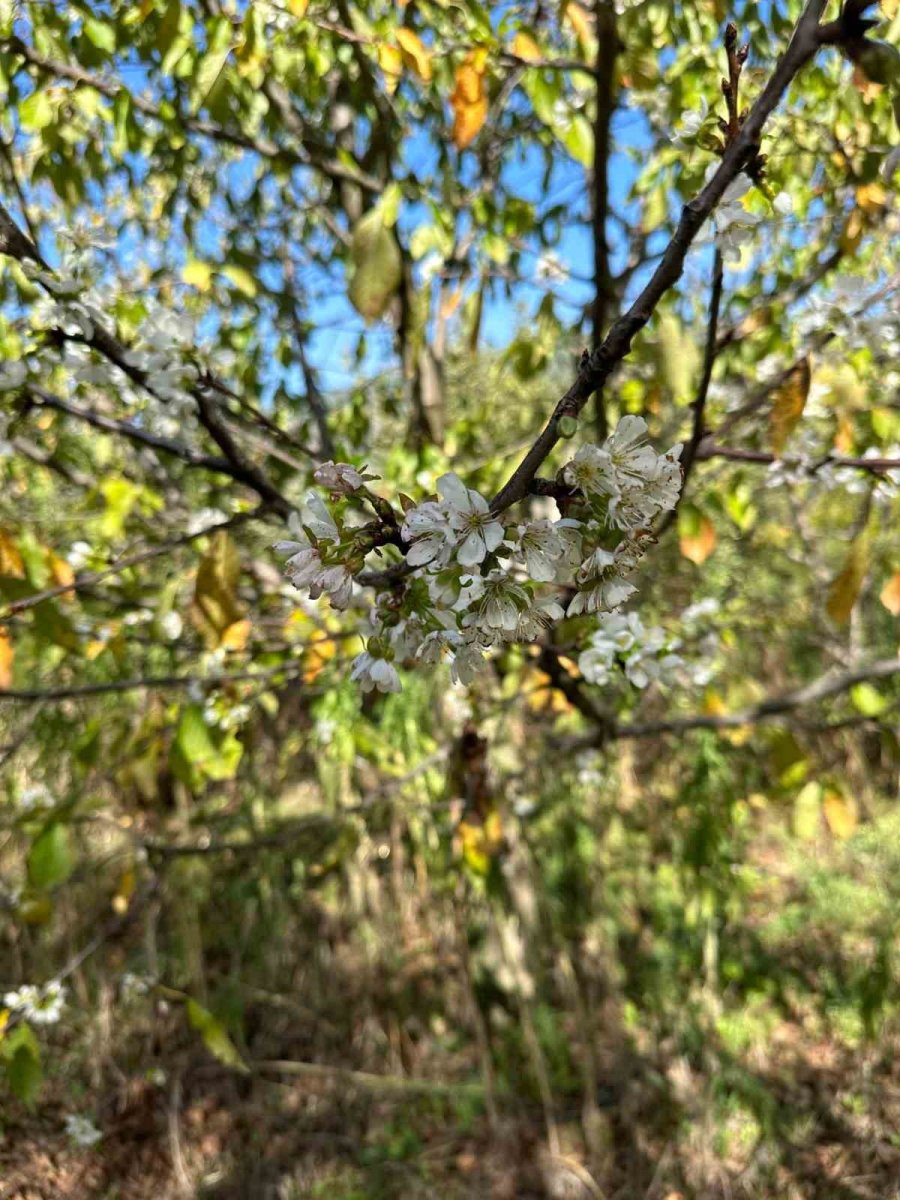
788, 404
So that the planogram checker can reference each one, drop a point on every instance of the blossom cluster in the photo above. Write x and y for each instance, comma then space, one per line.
40, 1005
472, 579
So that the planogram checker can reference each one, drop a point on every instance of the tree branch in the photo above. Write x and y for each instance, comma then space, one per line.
158, 683
89, 578
699, 403
596, 368
766, 710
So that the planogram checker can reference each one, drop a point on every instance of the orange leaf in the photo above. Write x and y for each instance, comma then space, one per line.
840, 813
698, 544
469, 100
890, 595
789, 402
6, 659
11, 563
415, 55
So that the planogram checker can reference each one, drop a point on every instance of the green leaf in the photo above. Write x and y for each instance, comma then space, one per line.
579, 140
868, 700
22, 1060
207, 754
214, 1035
241, 278
50, 860
209, 67
36, 112
377, 266
102, 35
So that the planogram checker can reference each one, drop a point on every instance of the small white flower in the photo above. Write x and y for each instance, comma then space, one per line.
370, 673
338, 477
500, 607
467, 662
542, 547
691, 123
428, 527
603, 595
317, 518
536, 620
171, 626
82, 1131
478, 531
41, 1006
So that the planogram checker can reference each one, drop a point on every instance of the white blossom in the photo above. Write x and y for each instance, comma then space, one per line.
340, 478
372, 672
478, 531
82, 1131
541, 546
40, 1005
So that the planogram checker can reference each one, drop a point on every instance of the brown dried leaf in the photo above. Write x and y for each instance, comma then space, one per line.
788, 404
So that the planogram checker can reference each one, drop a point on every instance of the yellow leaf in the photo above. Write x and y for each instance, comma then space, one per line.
580, 21
844, 592
843, 438
6, 659
871, 198
841, 814
391, 62
851, 234
215, 606
890, 595
469, 99
125, 890
197, 274
890, 8
698, 544
524, 46
481, 841
788, 404
297, 8
11, 564
235, 636
61, 573
415, 55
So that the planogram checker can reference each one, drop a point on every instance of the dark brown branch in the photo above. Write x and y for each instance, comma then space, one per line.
89, 578
596, 368
876, 466
41, 399
699, 403
605, 101
775, 706
155, 683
